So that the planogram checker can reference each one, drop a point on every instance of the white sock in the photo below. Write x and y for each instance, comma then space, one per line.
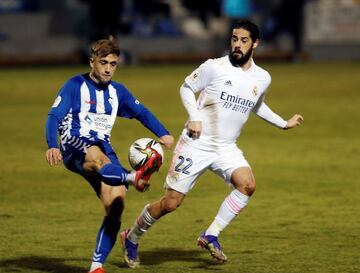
130, 177
230, 207
142, 224
95, 265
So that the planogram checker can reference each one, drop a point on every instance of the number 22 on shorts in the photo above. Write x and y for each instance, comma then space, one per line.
183, 165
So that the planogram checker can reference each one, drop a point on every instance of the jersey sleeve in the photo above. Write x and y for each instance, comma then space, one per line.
130, 107
189, 101
201, 77
149, 120
59, 109
52, 126
264, 112
265, 81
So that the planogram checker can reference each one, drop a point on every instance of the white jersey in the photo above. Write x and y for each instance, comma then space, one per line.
228, 96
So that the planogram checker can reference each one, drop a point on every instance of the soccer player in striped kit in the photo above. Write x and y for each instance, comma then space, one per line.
230, 89
83, 114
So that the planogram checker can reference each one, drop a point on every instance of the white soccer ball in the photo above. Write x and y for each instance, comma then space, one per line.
141, 150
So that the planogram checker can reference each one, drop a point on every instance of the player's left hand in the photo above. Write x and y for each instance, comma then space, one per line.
194, 129
296, 120
167, 141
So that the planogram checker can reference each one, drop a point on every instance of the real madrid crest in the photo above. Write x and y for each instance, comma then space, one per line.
173, 178
194, 76
255, 91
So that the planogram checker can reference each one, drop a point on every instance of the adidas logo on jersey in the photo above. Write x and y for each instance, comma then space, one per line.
228, 83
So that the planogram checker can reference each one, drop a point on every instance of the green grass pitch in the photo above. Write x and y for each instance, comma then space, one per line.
303, 217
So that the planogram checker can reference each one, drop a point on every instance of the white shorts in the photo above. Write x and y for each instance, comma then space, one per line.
189, 162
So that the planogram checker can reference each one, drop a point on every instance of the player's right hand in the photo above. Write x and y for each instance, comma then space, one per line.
194, 129
53, 156
167, 141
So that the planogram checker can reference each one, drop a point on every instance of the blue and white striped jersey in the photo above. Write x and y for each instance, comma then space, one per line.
85, 109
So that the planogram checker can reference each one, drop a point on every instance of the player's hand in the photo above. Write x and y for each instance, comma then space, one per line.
296, 120
194, 129
53, 156
167, 141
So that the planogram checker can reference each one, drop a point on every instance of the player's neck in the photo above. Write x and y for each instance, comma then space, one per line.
90, 77
246, 66
93, 78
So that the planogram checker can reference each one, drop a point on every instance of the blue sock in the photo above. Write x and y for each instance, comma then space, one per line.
113, 175
106, 238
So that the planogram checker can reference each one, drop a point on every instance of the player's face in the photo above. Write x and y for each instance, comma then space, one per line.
103, 68
242, 46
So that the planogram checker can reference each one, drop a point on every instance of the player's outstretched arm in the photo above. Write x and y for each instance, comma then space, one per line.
167, 141
296, 120
53, 156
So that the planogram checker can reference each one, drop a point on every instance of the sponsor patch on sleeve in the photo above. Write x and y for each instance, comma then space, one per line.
57, 101
194, 76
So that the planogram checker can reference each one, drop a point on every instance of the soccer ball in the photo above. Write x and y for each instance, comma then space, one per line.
141, 150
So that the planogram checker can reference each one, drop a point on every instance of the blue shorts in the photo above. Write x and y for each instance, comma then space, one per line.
74, 157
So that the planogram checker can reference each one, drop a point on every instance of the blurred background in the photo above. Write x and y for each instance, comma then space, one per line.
165, 31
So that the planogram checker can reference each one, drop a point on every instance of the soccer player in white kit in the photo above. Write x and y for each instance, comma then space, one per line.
230, 89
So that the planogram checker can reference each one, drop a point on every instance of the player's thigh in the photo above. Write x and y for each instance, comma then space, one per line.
95, 159
228, 162
188, 163
113, 198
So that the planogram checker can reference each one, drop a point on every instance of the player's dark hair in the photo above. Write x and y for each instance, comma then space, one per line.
249, 26
104, 47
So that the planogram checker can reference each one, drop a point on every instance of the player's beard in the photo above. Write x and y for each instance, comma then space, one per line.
240, 60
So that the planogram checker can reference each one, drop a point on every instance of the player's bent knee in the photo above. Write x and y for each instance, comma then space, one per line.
250, 187
246, 186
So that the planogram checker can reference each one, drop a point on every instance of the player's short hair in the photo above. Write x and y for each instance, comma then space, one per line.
104, 47
249, 26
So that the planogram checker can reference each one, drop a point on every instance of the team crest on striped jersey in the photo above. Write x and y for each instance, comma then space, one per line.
101, 108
